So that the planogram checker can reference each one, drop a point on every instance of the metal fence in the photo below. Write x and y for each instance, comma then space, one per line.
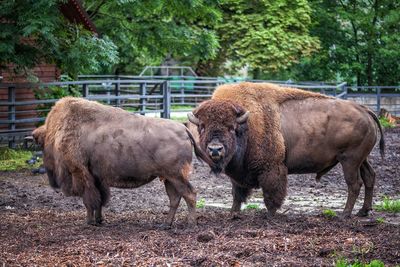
160, 96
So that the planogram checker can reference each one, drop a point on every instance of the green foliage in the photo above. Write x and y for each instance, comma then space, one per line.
329, 213
35, 31
52, 92
267, 36
146, 32
55, 92
360, 43
201, 203
385, 123
13, 160
380, 220
389, 205
344, 263
252, 206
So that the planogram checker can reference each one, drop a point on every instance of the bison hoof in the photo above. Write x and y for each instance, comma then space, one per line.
235, 216
93, 223
345, 216
99, 220
165, 226
363, 213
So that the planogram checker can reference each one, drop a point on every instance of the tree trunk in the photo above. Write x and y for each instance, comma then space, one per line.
257, 74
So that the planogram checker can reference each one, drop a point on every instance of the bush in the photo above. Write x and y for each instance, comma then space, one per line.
329, 213
345, 263
389, 205
13, 160
385, 123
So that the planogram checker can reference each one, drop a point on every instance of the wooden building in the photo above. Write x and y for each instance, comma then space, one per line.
74, 12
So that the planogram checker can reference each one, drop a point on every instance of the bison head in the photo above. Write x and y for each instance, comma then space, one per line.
39, 135
221, 125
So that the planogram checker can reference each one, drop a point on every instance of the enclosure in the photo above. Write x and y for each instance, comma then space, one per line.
41, 227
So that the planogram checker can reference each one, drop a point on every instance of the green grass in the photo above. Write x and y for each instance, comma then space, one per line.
181, 107
252, 206
329, 213
380, 220
385, 123
388, 205
345, 263
179, 119
201, 203
14, 160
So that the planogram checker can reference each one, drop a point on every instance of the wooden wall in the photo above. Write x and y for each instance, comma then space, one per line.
45, 73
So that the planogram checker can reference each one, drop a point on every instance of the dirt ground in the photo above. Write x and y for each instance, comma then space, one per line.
39, 227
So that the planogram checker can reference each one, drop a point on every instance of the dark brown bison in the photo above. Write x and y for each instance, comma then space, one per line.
89, 147
260, 133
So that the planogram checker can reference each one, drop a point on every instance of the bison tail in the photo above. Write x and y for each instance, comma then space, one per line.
382, 140
198, 151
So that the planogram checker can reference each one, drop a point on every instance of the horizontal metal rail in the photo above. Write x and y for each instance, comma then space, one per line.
157, 95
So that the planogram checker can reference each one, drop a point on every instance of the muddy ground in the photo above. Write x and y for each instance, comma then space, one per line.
39, 227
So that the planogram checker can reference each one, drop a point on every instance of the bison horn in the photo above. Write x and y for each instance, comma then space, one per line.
192, 118
243, 118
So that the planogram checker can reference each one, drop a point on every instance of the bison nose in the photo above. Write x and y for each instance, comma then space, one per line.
215, 150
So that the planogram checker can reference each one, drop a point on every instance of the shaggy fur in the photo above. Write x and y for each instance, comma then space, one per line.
288, 131
89, 147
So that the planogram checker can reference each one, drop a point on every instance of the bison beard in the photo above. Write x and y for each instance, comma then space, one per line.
89, 147
289, 131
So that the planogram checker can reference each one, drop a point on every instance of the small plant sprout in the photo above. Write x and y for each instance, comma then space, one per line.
386, 123
201, 203
329, 213
252, 206
345, 263
380, 220
389, 205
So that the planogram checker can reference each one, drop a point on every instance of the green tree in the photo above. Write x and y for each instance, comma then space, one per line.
146, 32
35, 31
359, 42
268, 36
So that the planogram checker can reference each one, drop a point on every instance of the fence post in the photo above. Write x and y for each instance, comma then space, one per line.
11, 113
142, 100
166, 114
378, 99
85, 90
117, 92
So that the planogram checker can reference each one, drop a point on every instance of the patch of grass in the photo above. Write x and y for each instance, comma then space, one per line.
329, 213
181, 107
252, 206
385, 123
380, 220
179, 119
201, 203
13, 160
345, 263
389, 205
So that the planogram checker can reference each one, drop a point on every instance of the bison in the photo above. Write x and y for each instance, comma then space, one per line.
89, 147
258, 133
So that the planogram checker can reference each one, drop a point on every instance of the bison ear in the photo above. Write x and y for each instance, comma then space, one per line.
243, 118
193, 119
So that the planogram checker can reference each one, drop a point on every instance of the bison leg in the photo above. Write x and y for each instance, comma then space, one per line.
91, 195
274, 187
174, 199
353, 180
240, 195
185, 189
98, 217
368, 177
105, 196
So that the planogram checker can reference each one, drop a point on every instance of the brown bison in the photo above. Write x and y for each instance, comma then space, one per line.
89, 147
260, 133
